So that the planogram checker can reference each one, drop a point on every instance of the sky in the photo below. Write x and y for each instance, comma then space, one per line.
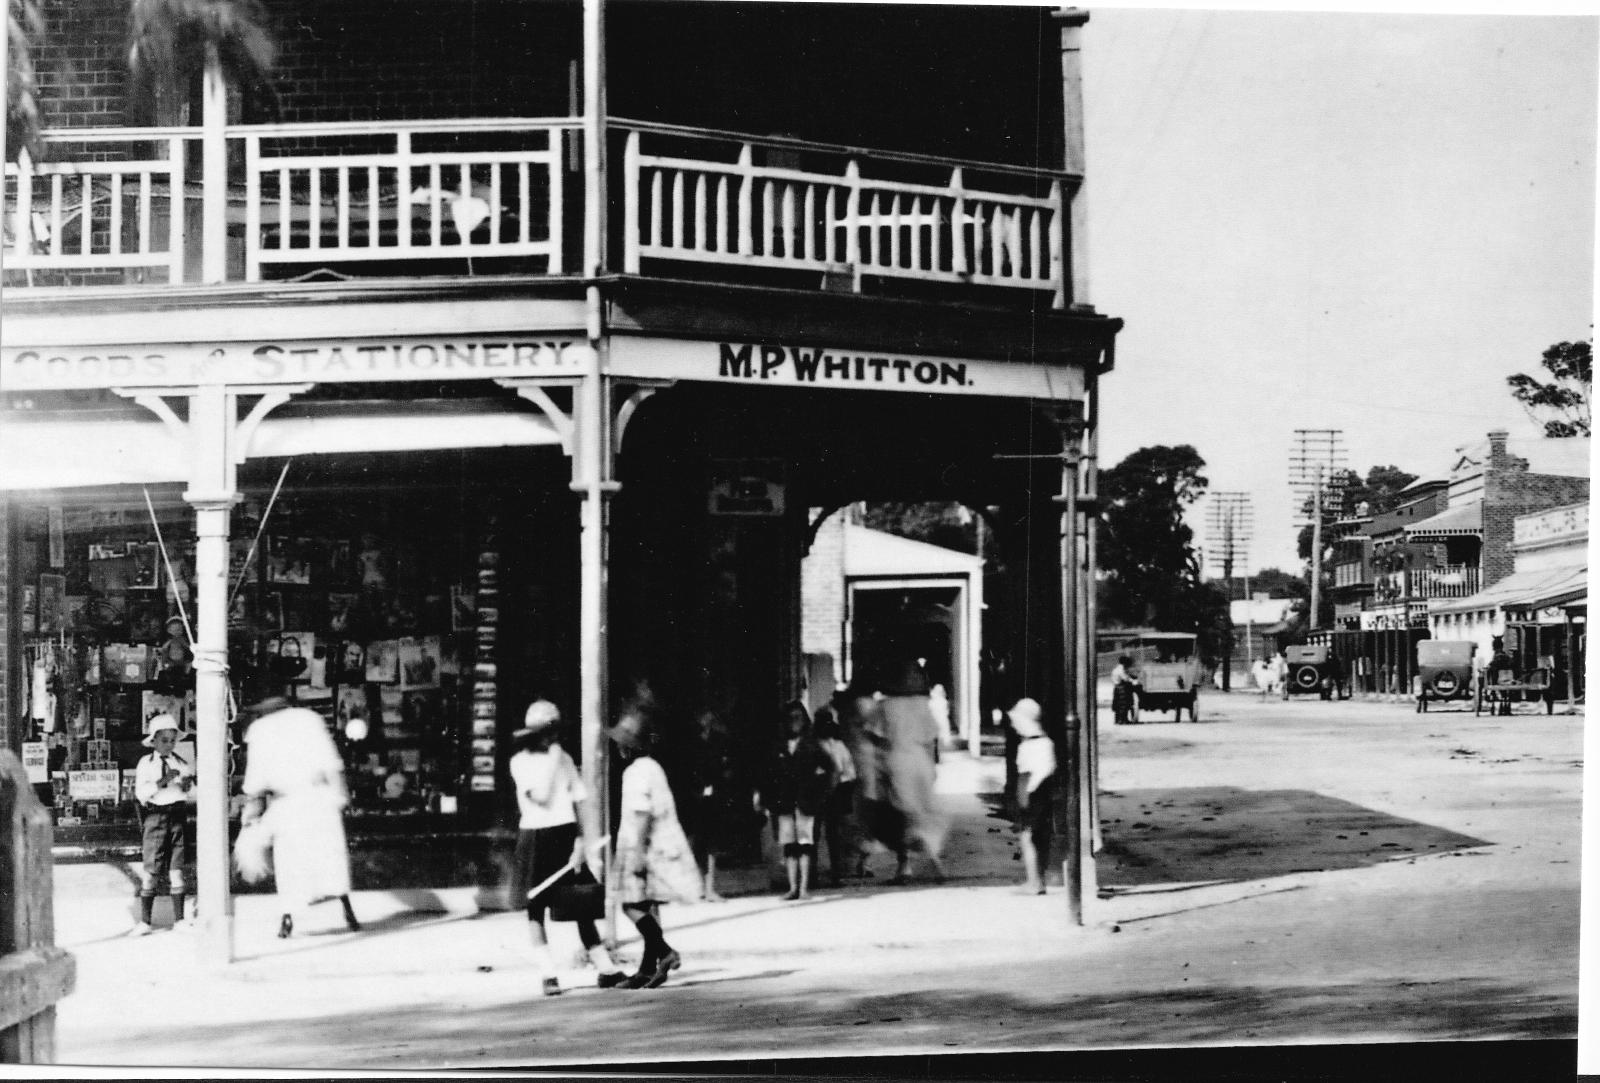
1340, 220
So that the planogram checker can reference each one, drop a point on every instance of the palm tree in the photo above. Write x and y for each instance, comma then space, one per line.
170, 41
24, 23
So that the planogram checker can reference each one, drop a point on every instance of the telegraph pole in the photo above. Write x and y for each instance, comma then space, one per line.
1313, 469
1228, 532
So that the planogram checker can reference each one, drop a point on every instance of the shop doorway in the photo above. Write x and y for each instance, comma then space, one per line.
892, 623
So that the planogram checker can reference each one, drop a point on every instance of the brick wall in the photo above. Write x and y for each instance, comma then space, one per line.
351, 60
1509, 490
410, 59
822, 591
80, 63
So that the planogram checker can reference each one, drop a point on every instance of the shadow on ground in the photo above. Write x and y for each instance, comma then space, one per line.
693, 1023
1223, 833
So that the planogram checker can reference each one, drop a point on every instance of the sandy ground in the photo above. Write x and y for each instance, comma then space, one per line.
1276, 873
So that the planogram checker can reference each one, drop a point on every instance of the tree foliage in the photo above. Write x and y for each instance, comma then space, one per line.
1151, 569
167, 41
1566, 395
24, 25
1379, 492
949, 525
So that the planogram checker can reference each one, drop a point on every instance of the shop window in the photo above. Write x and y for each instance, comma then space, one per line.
104, 646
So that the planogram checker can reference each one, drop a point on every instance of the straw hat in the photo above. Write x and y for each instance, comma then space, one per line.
157, 724
1026, 710
540, 716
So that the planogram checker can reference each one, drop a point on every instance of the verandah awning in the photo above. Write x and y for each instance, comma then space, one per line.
65, 453
1463, 520
1532, 589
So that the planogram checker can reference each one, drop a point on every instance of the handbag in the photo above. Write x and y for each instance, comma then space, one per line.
579, 897
252, 852
286, 666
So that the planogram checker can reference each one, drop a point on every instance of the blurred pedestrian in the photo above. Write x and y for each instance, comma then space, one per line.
294, 780
1035, 798
836, 824
1124, 692
718, 805
1261, 674
911, 737
550, 840
654, 863
793, 789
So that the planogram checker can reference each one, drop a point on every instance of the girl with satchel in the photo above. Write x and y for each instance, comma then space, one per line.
550, 841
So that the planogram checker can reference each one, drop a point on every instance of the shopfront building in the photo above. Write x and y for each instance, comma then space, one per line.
556, 437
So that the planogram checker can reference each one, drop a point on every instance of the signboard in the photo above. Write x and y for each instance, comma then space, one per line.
290, 361
36, 761
746, 487
808, 364
104, 784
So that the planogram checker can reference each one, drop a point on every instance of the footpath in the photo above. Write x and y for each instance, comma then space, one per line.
1276, 873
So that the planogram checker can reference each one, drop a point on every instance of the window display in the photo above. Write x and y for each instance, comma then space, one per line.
356, 605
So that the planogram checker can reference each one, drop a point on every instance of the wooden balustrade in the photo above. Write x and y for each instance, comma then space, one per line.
489, 195
742, 213
83, 214
404, 204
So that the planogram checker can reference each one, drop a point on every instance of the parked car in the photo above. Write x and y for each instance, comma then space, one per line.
1169, 672
1444, 671
1313, 668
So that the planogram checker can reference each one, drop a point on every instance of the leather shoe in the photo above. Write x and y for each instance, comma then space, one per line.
664, 966
613, 980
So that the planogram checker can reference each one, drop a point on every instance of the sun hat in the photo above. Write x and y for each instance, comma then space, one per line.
1026, 709
157, 724
540, 716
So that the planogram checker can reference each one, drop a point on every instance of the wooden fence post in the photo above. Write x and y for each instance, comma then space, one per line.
34, 973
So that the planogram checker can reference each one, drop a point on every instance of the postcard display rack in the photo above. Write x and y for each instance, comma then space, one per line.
361, 624
104, 648
359, 616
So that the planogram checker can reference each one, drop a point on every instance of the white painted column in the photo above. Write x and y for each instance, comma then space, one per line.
214, 177
212, 493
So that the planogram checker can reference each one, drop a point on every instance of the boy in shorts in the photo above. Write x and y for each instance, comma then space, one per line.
1036, 768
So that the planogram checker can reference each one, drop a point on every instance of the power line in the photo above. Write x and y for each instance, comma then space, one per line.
1228, 529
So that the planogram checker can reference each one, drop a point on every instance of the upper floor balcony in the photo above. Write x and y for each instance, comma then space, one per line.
154, 208
1443, 581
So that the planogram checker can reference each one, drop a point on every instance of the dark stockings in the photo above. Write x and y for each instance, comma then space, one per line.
655, 944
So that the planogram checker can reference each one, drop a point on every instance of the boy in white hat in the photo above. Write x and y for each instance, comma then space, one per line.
161, 783
1036, 768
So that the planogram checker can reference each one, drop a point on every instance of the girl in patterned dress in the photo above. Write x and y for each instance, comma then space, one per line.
654, 863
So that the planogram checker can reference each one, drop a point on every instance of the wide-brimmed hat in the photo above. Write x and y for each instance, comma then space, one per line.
540, 716
157, 724
632, 731
1026, 709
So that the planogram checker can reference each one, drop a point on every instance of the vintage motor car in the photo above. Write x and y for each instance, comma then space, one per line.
1312, 668
1444, 671
1169, 672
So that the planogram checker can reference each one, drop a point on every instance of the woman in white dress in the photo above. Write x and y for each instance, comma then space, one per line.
294, 778
654, 863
